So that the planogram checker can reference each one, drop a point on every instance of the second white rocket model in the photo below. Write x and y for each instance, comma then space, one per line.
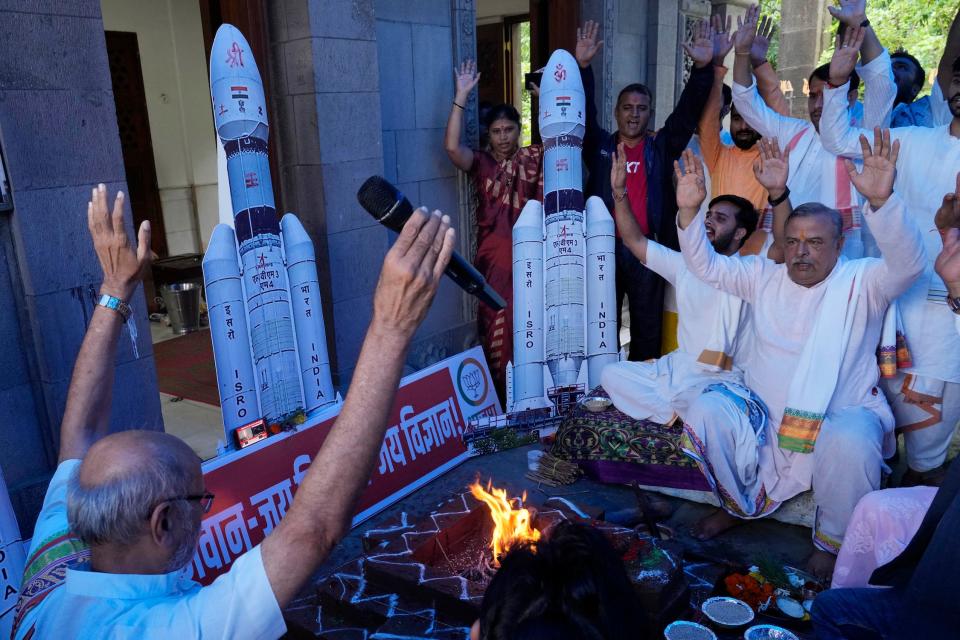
564, 287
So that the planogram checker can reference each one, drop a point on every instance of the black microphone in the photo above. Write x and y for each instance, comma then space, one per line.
388, 205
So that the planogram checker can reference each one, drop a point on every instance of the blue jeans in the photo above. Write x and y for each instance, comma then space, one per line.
877, 614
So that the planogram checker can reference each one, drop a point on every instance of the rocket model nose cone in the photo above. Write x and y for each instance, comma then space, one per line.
597, 212
530, 216
220, 260
561, 72
297, 245
561, 97
236, 88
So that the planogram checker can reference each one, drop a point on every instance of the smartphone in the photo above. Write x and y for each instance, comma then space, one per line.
534, 78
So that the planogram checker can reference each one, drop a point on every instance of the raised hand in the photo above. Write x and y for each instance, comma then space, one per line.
947, 264
467, 78
772, 168
700, 47
411, 273
123, 265
761, 43
875, 182
746, 33
722, 41
850, 12
618, 171
948, 215
691, 186
587, 45
845, 54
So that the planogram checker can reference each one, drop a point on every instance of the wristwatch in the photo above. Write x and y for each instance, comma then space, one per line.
954, 304
116, 304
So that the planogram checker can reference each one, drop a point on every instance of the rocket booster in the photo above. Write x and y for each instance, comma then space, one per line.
565, 316
562, 128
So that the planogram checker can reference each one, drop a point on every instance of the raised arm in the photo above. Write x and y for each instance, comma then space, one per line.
683, 120
880, 90
709, 128
950, 53
87, 414
737, 276
772, 170
466, 79
947, 266
897, 235
322, 509
768, 84
853, 14
767, 121
630, 232
587, 47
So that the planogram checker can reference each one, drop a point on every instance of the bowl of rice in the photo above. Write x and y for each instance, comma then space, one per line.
727, 612
686, 630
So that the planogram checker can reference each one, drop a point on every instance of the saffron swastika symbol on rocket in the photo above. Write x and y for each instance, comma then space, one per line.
250, 179
563, 164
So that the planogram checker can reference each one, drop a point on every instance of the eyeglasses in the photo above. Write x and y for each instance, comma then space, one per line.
206, 500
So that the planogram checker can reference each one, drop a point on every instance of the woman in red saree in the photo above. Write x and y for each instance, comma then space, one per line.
505, 177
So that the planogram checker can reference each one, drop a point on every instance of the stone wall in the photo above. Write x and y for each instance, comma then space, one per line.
60, 138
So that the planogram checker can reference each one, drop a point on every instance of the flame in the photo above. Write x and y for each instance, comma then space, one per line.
510, 526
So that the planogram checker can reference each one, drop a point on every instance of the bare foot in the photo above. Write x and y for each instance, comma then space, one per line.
821, 564
713, 525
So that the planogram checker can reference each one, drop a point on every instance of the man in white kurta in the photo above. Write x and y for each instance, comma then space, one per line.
925, 397
816, 175
742, 454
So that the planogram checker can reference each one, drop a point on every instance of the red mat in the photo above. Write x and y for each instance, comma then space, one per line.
185, 367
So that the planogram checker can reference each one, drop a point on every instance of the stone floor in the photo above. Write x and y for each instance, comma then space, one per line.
744, 545
198, 424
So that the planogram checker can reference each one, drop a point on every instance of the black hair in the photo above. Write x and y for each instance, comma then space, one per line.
818, 209
501, 112
956, 65
573, 586
636, 87
823, 73
921, 73
727, 95
747, 216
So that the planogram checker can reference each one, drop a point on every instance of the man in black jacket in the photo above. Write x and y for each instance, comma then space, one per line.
650, 158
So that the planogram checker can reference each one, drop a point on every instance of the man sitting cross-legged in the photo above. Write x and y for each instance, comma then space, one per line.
810, 413
136, 498
709, 319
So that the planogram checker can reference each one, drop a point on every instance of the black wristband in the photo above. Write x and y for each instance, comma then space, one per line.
456, 104
781, 199
865, 23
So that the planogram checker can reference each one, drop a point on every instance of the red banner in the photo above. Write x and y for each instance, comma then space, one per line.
254, 487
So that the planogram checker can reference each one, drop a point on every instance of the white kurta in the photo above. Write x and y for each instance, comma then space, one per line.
661, 389
815, 174
926, 170
782, 316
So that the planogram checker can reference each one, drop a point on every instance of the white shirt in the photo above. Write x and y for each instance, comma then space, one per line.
814, 170
927, 169
783, 315
87, 604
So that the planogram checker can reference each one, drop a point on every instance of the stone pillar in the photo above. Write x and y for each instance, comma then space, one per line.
802, 30
60, 138
363, 87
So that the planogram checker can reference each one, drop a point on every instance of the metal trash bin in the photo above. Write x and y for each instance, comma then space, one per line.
182, 300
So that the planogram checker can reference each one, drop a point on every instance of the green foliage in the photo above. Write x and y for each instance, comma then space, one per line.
526, 117
771, 8
919, 26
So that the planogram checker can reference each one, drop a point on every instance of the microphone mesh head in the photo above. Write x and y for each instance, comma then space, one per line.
377, 196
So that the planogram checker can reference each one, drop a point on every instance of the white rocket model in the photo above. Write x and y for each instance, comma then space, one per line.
564, 289
260, 274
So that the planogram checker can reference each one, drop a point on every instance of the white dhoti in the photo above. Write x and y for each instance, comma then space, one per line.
751, 475
659, 390
926, 414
